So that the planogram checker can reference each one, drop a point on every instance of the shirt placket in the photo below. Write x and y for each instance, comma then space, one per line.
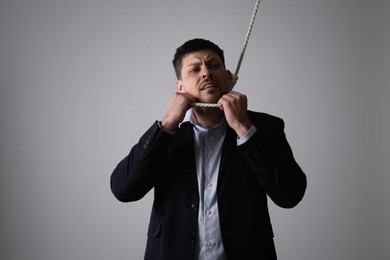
209, 195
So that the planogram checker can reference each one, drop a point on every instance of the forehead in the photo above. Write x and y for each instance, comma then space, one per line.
200, 56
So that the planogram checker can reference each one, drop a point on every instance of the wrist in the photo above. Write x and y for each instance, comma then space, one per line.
243, 129
243, 139
171, 132
167, 125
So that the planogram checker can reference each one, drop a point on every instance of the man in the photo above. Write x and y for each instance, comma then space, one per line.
211, 168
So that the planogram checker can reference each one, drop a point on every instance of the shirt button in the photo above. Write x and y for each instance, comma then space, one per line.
209, 212
210, 185
209, 244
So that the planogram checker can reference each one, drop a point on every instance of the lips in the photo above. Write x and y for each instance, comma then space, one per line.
207, 85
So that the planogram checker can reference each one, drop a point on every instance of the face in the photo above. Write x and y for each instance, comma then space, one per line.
204, 76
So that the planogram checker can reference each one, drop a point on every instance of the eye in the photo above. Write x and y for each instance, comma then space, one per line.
194, 70
215, 65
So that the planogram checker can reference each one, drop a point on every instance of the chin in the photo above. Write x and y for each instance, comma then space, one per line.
210, 99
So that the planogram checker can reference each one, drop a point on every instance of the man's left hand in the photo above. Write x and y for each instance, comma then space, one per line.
234, 105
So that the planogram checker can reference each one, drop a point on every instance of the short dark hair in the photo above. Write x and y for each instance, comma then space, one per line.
194, 45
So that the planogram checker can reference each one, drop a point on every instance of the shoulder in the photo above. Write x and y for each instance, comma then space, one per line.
267, 123
263, 118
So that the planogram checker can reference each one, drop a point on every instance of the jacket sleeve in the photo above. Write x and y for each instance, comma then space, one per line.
270, 157
138, 172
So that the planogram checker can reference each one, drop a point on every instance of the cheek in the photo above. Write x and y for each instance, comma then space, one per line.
226, 85
190, 85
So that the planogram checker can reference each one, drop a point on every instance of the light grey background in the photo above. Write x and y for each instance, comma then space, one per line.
82, 80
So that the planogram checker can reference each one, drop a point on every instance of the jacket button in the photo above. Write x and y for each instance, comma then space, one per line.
194, 206
191, 238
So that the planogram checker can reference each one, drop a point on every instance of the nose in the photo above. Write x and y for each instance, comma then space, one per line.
205, 72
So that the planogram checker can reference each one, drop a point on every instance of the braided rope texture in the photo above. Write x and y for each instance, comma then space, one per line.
199, 104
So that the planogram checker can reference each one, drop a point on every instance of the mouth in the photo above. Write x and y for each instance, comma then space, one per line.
208, 85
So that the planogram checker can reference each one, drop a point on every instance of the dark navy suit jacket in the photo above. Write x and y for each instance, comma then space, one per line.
262, 166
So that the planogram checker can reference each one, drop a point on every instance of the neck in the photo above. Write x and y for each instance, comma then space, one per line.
208, 116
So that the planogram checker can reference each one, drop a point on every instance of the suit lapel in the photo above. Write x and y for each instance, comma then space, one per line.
187, 141
229, 145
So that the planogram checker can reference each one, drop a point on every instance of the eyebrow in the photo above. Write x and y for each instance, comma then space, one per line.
211, 59
193, 64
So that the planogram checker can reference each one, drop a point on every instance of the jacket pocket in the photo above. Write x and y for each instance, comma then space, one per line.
154, 230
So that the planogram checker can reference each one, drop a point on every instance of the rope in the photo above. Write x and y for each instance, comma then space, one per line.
248, 34
199, 104
235, 76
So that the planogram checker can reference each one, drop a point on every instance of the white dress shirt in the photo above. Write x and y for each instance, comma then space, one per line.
208, 148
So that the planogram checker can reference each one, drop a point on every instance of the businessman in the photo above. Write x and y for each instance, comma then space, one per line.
211, 168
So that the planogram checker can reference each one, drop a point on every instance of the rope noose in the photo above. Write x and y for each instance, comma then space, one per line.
235, 76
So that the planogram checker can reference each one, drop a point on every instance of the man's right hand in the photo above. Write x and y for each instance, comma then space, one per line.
178, 106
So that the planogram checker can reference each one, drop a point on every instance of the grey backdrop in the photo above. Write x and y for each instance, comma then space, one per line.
82, 80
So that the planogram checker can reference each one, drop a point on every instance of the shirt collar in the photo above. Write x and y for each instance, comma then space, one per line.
190, 118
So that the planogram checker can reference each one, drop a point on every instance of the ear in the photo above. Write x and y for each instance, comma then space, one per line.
180, 86
229, 75
230, 79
